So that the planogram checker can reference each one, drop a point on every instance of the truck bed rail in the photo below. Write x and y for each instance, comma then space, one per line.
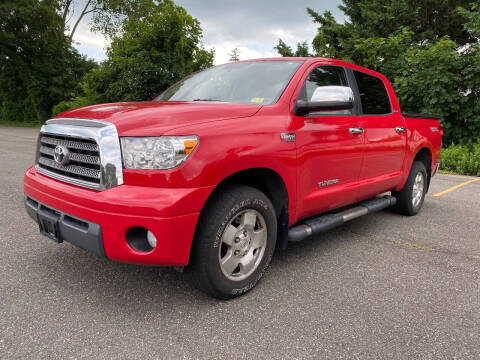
421, 116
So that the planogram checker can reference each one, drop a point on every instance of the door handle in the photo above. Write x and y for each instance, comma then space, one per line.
356, 130
400, 129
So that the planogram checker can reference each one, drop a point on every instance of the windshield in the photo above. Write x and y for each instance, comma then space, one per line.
256, 82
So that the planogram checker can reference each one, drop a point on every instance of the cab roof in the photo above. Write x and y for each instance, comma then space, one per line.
309, 60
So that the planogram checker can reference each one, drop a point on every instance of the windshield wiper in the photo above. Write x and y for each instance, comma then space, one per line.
207, 100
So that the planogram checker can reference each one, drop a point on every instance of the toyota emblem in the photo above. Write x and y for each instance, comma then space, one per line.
60, 155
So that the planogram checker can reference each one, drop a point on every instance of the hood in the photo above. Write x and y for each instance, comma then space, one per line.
158, 117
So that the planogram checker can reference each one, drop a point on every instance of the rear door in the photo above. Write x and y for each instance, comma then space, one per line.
384, 134
329, 154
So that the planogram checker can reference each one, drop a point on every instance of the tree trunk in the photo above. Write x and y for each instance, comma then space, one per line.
82, 14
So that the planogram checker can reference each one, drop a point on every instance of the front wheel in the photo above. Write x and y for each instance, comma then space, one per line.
234, 242
410, 198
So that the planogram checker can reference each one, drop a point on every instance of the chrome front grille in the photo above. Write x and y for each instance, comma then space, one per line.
84, 157
78, 144
89, 153
78, 157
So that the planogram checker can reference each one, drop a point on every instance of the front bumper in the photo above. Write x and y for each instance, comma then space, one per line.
171, 214
84, 234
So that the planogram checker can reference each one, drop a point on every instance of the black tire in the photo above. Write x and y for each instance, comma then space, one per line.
405, 204
229, 205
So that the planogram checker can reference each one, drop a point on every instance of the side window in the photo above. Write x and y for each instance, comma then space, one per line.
324, 76
373, 94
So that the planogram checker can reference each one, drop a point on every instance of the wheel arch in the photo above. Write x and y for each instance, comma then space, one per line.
424, 155
271, 184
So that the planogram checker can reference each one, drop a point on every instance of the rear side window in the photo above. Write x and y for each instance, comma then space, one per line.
373, 94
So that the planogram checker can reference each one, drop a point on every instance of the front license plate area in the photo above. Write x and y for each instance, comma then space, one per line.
48, 221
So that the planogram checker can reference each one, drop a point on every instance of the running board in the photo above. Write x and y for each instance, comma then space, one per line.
326, 222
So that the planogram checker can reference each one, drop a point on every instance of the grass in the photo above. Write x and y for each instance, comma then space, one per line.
448, 172
20, 124
461, 159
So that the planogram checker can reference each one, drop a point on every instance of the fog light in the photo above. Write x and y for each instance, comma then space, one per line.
152, 240
141, 239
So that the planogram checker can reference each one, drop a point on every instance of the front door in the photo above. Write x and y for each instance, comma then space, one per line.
329, 154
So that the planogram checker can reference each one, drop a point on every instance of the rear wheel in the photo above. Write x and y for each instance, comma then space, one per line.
234, 242
410, 199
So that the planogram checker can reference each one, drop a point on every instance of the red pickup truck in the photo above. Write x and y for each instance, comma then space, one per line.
229, 164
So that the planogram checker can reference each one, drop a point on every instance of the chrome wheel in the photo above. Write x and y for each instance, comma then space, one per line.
417, 192
243, 245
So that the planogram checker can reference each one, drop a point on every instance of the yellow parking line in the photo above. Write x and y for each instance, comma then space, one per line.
455, 187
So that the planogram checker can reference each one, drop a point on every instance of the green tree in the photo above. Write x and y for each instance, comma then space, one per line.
235, 55
333, 39
441, 80
106, 16
428, 19
302, 50
472, 26
38, 67
284, 50
148, 56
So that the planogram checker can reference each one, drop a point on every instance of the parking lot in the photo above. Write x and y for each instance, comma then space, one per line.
380, 287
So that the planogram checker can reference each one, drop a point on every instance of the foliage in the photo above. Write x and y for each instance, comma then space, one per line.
430, 20
150, 54
473, 19
333, 39
429, 50
284, 50
84, 97
438, 79
235, 55
384, 55
154, 43
38, 66
106, 16
462, 159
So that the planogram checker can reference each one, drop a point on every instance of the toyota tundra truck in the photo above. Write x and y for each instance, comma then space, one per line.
230, 164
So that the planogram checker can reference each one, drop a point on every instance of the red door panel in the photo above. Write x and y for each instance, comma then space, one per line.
384, 146
327, 152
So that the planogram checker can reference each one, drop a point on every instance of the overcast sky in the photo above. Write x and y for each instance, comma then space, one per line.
252, 26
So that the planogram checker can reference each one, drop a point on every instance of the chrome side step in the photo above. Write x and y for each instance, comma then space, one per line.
326, 222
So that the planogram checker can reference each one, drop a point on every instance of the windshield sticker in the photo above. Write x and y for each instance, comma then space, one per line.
257, 100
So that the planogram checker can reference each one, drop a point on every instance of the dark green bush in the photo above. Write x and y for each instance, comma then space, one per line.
78, 102
11, 111
462, 159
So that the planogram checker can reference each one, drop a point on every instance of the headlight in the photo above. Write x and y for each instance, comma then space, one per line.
164, 152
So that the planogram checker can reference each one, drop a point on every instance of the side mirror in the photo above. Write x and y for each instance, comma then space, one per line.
326, 98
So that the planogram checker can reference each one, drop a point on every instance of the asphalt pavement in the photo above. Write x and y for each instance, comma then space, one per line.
383, 286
